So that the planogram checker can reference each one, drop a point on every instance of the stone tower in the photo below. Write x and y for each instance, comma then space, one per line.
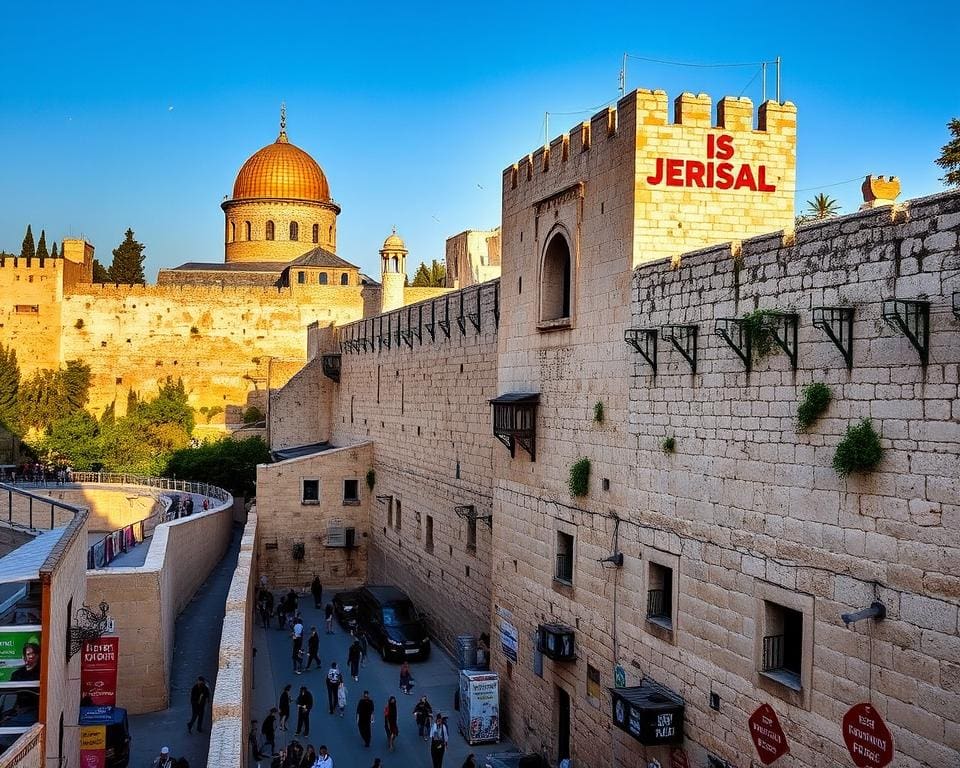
393, 272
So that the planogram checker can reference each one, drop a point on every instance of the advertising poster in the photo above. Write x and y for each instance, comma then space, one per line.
485, 709
98, 672
509, 640
19, 678
93, 746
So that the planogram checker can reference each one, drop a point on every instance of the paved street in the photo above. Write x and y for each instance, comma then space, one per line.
435, 678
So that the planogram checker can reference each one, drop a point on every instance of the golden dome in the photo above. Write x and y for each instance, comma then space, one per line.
394, 242
281, 171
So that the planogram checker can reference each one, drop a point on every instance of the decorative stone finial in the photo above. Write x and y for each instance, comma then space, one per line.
282, 138
879, 191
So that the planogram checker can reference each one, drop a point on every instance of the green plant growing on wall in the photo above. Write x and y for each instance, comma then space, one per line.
598, 412
299, 551
579, 482
814, 401
79, 324
859, 451
371, 478
756, 325
668, 445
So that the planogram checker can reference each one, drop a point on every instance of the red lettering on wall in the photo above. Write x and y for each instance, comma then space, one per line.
680, 172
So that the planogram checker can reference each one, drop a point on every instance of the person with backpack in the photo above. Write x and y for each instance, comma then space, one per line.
439, 738
163, 760
422, 713
334, 677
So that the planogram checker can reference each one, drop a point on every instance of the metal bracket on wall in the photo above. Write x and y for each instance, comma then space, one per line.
419, 329
837, 323
783, 326
644, 341
956, 305
397, 315
432, 325
445, 322
385, 341
496, 304
684, 340
474, 317
733, 330
469, 512
912, 318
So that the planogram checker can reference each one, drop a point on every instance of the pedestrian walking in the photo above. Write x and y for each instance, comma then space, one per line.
342, 697
328, 615
292, 601
199, 698
297, 655
283, 706
163, 760
253, 739
422, 713
324, 760
268, 731
390, 724
316, 589
365, 711
406, 680
353, 659
304, 705
334, 677
362, 638
439, 738
313, 648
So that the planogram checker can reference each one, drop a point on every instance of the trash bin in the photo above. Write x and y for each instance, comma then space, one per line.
466, 652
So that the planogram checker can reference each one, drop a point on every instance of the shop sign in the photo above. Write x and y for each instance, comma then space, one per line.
767, 735
509, 640
98, 672
651, 713
93, 746
710, 174
867, 737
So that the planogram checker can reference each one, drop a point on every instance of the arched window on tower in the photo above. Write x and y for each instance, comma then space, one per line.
316, 233
233, 231
555, 281
294, 230
323, 278
248, 228
394, 264
345, 279
269, 235
330, 234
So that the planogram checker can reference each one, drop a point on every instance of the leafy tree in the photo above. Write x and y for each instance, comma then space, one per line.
127, 266
49, 395
949, 158
421, 278
9, 389
227, 463
42, 252
109, 414
434, 276
76, 384
822, 207
253, 415
210, 412
53, 251
169, 407
133, 402
27, 250
76, 438
100, 273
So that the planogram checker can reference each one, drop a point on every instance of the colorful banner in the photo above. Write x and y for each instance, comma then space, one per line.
509, 640
19, 656
93, 746
98, 672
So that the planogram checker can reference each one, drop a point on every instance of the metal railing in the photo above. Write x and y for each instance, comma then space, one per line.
564, 570
159, 483
37, 508
657, 605
773, 646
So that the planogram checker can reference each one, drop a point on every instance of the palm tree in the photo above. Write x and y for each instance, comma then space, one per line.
822, 207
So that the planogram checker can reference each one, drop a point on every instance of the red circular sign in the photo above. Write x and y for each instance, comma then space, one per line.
867, 737
768, 737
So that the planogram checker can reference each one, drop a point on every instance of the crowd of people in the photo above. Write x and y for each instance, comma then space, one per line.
37, 473
305, 652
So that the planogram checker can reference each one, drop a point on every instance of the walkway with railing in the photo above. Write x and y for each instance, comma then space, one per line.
33, 510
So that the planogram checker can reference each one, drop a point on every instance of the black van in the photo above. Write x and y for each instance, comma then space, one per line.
117, 732
391, 624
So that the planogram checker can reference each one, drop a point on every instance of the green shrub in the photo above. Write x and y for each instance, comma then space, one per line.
598, 412
816, 398
756, 325
580, 477
253, 415
668, 445
371, 478
859, 451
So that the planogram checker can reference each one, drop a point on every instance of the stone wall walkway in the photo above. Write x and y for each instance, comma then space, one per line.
195, 653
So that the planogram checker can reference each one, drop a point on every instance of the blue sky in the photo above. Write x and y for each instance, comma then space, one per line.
140, 114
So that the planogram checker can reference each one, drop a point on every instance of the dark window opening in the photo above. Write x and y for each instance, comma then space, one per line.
351, 492
555, 281
301, 277
323, 278
399, 516
783, 644
564, 570
269, 231
247, 229
294, 230
345, 279
311, 491
316, 233
429, 539
660, 596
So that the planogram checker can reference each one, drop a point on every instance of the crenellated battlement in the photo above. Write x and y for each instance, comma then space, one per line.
649, 111
37, 264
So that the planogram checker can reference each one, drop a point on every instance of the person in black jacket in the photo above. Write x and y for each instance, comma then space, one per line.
365, 711
199, 698
313, 648
284, 707
304, 705
316, 589
268, 730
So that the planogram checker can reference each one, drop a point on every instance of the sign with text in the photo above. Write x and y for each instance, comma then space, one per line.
767, 735
93, 746
19, 656
509, 640
867, 737
98, 672
718, 171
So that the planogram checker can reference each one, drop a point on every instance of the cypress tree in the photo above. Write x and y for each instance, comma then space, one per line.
422, 277
27, 250
949, 158
9, 388
100, 273
42, 252
53, 251
127, 266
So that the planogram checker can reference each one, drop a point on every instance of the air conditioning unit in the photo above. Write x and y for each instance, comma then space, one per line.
336, 536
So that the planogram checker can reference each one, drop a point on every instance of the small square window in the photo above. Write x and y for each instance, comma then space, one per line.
301, 277
783, 645
564, 570
660, 596
429, 539
593, 684
311, 492
351, 492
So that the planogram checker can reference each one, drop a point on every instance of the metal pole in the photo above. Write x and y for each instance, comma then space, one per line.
623, 75
763, 96
546, 127
778, 80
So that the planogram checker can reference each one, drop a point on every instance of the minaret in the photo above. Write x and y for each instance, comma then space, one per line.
393, 272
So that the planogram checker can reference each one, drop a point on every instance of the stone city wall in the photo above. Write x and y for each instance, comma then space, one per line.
286, 519
424, 404
232, 696
747, 512
109, 509
145, 601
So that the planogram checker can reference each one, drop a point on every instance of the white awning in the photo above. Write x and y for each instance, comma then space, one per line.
23, 563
